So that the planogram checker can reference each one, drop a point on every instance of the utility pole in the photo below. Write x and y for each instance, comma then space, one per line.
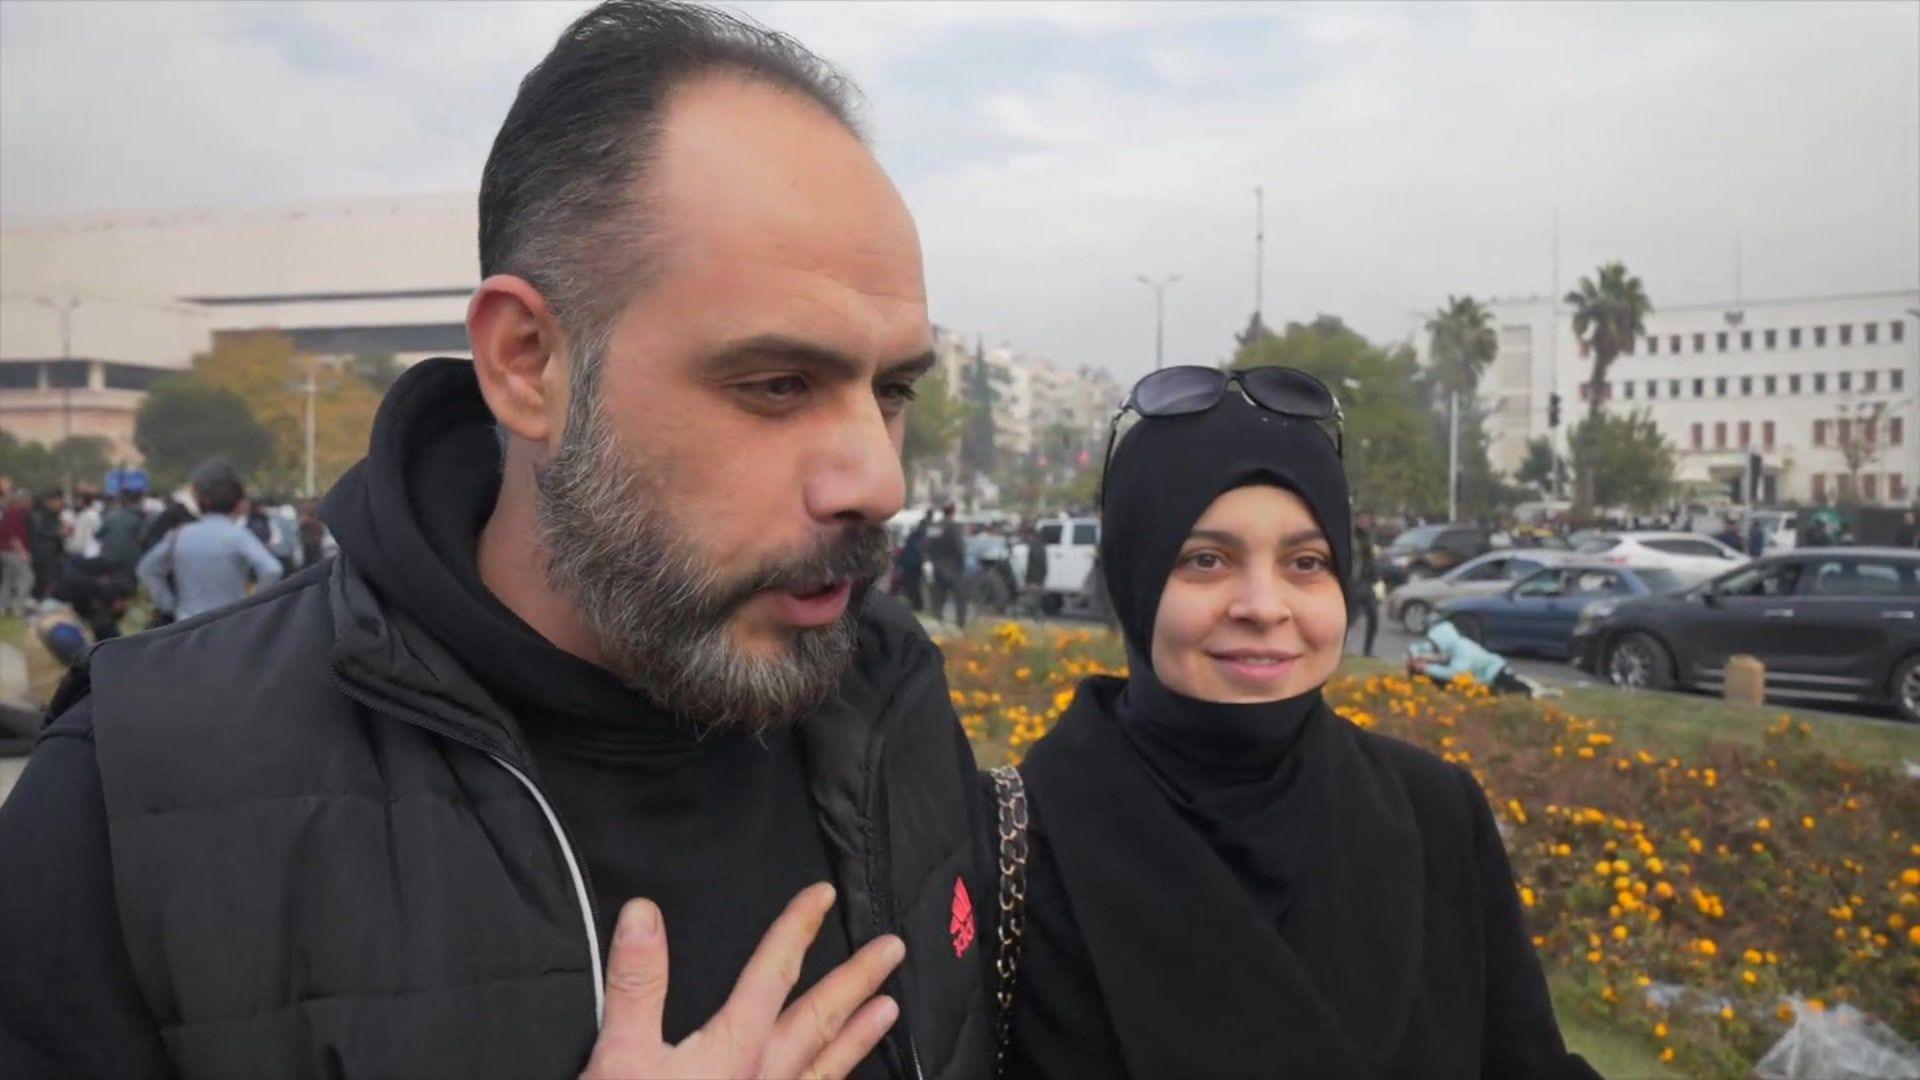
1259, 254
1553, 362
312, 389
65, 308
1159, 315
1453, 455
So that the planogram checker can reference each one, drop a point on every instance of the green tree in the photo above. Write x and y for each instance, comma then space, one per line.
184, 421
977, 451
933, 420
1610, 312
1627, 459
1463, 344
270, 377
376, 369
1392, 461
1539, 466
81, 458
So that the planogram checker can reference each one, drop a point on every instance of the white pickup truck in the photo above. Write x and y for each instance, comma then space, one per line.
1071, 544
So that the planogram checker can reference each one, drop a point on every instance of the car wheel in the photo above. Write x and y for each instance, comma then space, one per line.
1416, 616
1639, 662
1469, 628
1906, 689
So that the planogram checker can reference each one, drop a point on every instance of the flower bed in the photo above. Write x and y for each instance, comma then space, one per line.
1681, 897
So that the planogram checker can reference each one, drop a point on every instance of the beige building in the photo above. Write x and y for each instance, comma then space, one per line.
94, 309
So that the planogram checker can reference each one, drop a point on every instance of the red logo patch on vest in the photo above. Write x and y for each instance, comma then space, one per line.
962, 925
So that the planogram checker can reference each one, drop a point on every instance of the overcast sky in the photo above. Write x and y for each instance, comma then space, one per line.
1053, 153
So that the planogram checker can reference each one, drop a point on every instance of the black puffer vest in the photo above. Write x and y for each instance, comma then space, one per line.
332, 858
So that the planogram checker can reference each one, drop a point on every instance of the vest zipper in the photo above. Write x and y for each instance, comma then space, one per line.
579, 888
883, 899
574, 869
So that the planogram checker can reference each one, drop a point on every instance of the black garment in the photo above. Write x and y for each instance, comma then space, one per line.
1036, 571
1257, 889
1147, 956
333, 843
1364, 603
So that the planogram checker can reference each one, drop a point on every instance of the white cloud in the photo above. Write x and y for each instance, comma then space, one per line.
1054, 151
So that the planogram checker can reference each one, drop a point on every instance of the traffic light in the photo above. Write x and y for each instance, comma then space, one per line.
1553, 410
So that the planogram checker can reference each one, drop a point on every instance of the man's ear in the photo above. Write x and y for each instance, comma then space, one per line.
520, 356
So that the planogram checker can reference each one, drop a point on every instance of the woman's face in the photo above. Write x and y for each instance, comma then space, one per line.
1253, 609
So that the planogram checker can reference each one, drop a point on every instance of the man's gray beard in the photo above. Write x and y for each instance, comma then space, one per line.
660, 610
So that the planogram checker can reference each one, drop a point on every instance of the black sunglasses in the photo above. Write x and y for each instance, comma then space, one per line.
1190, 388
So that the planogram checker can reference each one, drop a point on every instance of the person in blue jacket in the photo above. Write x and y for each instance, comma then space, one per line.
1453, 653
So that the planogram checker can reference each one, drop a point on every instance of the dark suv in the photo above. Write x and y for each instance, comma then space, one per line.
1830, 624
1432, 550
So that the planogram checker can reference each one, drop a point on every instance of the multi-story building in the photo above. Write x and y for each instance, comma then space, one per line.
1826, 390
94, 309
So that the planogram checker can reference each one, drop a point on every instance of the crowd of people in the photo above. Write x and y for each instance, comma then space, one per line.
73, 569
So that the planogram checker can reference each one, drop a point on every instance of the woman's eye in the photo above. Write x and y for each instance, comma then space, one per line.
1204, 560
1309, 564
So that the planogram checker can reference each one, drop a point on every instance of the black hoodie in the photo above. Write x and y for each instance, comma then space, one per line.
721, 831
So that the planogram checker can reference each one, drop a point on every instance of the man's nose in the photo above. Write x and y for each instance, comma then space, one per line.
859, 478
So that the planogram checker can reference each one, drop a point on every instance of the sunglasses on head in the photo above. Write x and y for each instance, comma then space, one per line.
1190, 388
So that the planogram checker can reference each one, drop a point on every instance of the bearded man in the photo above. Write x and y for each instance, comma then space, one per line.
597, 666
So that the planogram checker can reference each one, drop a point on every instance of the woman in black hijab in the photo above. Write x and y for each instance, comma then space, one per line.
1225, 878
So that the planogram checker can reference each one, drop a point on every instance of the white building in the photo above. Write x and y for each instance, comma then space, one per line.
94, 309
1796, 381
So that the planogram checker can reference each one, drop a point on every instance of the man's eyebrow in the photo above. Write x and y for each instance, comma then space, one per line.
753, 353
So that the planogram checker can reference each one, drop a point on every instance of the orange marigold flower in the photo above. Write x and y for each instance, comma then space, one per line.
1666, 1053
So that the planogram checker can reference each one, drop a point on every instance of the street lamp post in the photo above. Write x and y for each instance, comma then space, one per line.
1159, 315
65, 308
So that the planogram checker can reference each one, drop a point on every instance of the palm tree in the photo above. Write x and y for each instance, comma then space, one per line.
1463, 344
1609, 314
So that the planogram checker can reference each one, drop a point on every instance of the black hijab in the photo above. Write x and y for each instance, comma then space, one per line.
1314, 948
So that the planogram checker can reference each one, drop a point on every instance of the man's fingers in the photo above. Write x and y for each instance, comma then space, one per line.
636, 989
855, 1041
746, 1020
810, 1024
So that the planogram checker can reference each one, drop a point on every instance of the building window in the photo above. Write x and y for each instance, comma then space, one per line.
1897, 331
1746, 386
1793, 384
1819, 433
1719, 434
1720, 386
1844, 481
1895, 377
1867, 381
1870, 430
1869, 487
1846, 333
1766, 434
1819, 487
1793, 338
1771, 383
1699, 388
1773, 338
1673, 344
19, 376
1844, 429
1819, 336
1626, 389
1699, 343
1746, 340
1699, 435
1846, 381
1746, 434
1871, 331
1895, 430
1653, 388
1819, 382
1673, 387
1896, 482
1653, 345
1720, 339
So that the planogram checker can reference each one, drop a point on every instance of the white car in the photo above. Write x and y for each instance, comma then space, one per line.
1691, 556
1071, 545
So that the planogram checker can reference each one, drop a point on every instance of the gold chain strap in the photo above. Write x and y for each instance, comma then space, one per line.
1010, 790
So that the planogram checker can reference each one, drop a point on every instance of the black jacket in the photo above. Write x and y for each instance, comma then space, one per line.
1145, 956
330, 853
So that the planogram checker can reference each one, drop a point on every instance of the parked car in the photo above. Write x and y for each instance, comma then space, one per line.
1414, 603
1691, 555
1431, 550
1830, 624
1072, 543
1538, 614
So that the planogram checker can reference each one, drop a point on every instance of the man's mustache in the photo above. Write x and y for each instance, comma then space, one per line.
859, 553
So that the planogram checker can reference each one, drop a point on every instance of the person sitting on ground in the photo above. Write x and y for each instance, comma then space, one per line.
1459, 654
